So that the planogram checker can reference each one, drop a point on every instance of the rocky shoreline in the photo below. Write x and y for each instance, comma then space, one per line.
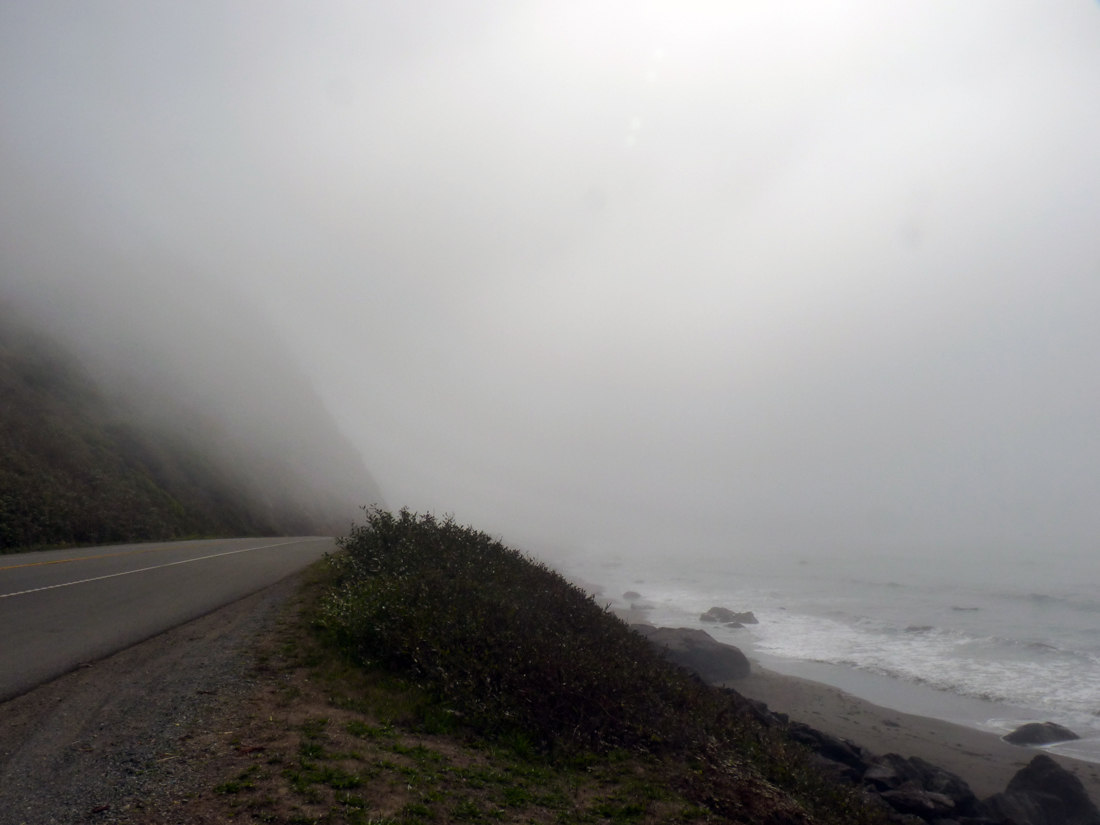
909, 789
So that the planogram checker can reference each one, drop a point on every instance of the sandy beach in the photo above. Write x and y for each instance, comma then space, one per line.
982, 759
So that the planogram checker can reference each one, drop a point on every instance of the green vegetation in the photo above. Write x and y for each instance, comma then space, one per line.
330, 741
78, 468
497, 646
478, 783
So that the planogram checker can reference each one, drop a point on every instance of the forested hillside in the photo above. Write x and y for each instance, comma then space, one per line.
80, 464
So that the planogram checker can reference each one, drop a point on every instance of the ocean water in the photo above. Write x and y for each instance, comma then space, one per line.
990, 642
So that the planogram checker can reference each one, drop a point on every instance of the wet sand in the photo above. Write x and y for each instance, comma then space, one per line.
985, 761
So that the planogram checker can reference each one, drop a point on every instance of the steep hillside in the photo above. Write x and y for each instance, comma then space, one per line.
80, 464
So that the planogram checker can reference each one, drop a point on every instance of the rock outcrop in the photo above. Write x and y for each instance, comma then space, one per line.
836, 757
907, 790
726, 616
1044, 793
912, 791
918, 788
1040, 733
697, 651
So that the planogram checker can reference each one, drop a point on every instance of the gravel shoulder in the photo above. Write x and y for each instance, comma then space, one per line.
108, 743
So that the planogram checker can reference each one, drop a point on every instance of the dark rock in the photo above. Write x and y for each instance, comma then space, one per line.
837, 771
734, 625
830, 747
721, 614
755, 709
873, 800
697, 651
916, 801
1040, 733
1027, 809
895, 818
1045, 793
891, 771
631, 596
894, 772
954, 787
759, 711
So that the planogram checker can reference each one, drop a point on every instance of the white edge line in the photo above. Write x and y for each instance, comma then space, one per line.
154, 567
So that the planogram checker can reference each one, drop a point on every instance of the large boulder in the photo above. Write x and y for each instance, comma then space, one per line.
1045, 793
697, 651
1027, 809
1040, 733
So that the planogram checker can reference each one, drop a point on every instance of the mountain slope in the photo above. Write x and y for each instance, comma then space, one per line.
80, 464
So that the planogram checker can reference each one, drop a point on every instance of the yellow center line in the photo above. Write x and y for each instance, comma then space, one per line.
110, 555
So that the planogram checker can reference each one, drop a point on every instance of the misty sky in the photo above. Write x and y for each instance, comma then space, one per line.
699, 278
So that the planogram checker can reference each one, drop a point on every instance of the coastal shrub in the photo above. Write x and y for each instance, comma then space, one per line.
517, 653
508, 643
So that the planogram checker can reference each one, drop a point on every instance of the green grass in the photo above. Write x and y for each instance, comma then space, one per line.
244, 782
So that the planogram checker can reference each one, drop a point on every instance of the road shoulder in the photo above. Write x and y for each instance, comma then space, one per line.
103, 743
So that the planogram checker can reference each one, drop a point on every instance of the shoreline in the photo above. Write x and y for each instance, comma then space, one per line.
980, 757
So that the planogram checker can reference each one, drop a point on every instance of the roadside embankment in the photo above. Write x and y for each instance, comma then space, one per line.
431, 674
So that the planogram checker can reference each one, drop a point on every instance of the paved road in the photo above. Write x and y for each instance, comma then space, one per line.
62, 608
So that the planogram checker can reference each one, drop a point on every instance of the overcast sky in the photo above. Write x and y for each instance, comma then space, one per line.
707, 278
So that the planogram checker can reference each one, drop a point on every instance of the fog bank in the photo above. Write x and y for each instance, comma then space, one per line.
623, 278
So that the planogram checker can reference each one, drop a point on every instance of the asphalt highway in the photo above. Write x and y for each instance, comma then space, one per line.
61, 609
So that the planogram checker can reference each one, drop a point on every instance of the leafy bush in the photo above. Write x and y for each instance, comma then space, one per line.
515, 649
506, 640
